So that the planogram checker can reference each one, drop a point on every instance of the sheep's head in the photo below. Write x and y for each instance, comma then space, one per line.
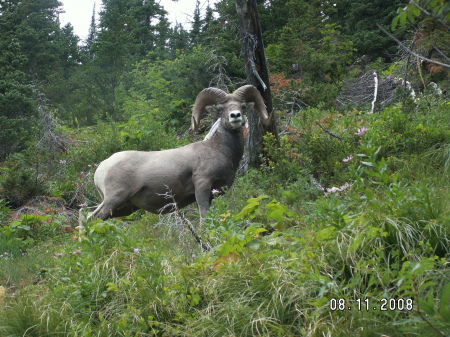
230, 106
232, 113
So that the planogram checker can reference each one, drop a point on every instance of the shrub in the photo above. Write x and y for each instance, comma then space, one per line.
22, 178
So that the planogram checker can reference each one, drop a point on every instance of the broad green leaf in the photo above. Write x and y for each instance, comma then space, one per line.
410, 15
368, 163
253, 245
402, 18
394, 23
444, 303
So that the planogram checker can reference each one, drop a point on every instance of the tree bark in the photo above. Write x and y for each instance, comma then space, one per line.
257, 75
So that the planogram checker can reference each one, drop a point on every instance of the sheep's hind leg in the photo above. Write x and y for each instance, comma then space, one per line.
109, 209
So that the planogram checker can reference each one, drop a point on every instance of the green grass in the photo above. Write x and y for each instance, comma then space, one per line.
283, 251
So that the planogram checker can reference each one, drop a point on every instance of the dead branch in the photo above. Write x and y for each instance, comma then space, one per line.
410, 51
424, 11
332, 134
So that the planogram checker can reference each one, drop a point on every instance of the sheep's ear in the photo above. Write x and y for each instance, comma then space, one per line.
211, 109
250, 106
250, 94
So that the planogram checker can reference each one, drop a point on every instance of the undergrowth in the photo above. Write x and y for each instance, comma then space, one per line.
343, 232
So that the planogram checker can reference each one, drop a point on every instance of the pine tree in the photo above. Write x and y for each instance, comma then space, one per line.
31, 55
178, 40
92, 35
358, 20
222, 41
208, 20
196, 28
128, 31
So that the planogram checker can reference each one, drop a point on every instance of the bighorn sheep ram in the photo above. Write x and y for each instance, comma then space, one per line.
132, 180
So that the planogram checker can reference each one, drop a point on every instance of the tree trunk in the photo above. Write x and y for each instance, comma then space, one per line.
257, 75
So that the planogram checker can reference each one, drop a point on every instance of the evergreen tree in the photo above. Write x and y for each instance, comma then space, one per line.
273, 15
291, 52
200, 26
128, 32
222, 41
68, 51
178, 40
196, 29
60, 86
31, 54
208, 20
149, 27
358, 20
92, 35
36, 27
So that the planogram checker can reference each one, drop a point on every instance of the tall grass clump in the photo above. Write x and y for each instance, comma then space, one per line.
350, 240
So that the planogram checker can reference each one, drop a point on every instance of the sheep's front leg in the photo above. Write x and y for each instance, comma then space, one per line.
203, 198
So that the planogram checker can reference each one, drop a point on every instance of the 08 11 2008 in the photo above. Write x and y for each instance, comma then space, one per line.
383, 304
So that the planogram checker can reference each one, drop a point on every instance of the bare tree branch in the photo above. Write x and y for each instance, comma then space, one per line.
332, 134
442, 54
424, 11
410, 51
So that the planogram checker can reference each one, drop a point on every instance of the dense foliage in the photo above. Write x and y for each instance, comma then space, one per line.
343, 230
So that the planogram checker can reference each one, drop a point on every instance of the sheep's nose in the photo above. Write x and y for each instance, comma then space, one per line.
235, 115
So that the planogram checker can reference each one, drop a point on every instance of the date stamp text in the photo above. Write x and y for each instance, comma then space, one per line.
383, 304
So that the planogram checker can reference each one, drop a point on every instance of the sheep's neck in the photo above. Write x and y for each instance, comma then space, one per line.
234, 148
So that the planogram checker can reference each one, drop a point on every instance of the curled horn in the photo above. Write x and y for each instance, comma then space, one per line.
249, 93
208, 96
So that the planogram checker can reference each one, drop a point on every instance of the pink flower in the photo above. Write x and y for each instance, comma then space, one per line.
78, 251
361, 131
347, 159
214, 191
344, 187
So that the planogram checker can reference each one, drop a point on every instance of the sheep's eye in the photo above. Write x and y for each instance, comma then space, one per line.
220, 108
244, 106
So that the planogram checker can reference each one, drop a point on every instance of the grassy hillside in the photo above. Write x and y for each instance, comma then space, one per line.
344, 231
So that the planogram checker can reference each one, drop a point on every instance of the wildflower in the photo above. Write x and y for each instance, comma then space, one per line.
89, 165
78, 251
58, 254
347, 159
62, 162
336, 189
361, 131
214, 191
136, 250
344, 187
82, 205
333, 190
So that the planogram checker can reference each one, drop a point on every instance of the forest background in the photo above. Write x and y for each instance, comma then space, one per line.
342, 230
